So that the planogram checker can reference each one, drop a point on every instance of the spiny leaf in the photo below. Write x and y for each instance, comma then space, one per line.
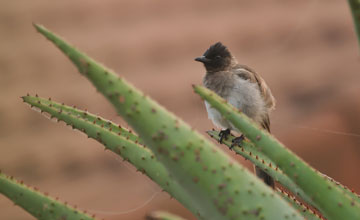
304, 210
39, 205
250, 152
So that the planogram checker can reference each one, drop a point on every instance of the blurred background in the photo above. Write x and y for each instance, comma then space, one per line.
305, 50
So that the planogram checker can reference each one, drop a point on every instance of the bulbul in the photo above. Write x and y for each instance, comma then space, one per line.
240, 86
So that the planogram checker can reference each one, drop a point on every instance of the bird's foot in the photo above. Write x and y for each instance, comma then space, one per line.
237, 141
223, 135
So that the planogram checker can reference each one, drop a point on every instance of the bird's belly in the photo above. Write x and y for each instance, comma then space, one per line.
215, 116
246, 97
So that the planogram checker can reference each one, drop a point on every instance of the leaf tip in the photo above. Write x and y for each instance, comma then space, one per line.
38, 27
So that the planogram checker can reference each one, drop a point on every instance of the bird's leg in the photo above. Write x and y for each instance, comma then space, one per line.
237, 141
223, 135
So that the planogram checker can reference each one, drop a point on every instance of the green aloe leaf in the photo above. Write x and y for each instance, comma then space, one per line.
258, 158
39, 205
304, 210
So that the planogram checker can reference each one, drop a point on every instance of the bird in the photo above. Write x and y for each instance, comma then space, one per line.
240, 86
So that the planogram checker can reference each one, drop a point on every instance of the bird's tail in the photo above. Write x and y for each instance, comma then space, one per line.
260, 173
265, 177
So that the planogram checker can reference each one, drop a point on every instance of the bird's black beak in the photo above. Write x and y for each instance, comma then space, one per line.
202, 59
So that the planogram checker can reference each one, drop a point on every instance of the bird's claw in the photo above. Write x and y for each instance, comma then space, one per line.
223, 135
237, 141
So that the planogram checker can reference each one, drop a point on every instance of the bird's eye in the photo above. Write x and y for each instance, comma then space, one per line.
218, 57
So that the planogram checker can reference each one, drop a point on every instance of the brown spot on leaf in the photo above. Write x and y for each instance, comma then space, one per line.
121, 99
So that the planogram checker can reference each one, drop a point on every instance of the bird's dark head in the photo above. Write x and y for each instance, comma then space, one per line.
216, 58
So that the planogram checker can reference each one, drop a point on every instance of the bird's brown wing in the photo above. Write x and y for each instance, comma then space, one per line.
266, 122
247, 73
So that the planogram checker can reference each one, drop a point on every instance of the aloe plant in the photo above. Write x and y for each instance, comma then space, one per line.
39, 205
117, 139
259, 159
218, 189
126, 144
184, 163
306, 211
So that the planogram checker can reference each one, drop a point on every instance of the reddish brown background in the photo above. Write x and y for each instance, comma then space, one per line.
305, 50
